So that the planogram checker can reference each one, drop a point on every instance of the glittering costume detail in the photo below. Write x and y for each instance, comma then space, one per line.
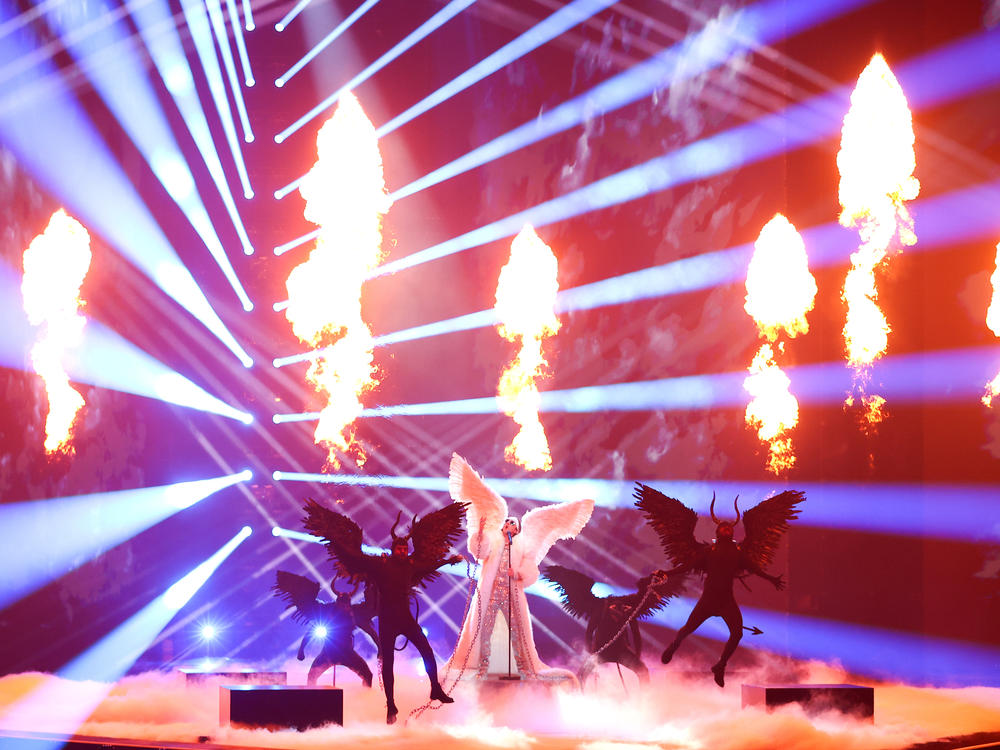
508, 552
499, 601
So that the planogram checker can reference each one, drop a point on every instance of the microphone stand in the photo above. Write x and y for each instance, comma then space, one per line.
510, 624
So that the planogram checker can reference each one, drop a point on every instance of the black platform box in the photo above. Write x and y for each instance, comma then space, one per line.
848, 699
286, 706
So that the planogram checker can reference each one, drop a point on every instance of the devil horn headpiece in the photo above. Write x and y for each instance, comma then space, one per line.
392, 531
736, 505
395, 523
349, 594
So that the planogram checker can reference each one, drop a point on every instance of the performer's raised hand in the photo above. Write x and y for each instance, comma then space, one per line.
658, 577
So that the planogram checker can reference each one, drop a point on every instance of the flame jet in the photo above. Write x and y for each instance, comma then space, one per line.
525, 306
345, 196
876, 163
780, 291
993, 321
55, 265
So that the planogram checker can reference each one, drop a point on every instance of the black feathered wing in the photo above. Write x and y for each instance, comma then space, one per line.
766, 522
298, 592
674, 523
574, 589
433, 537
341, 536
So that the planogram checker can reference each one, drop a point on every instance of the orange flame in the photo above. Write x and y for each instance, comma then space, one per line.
780, 292
780, 289
55, 265
993, 322
876, 163
773, 410
525, 302
345, 195
992, 390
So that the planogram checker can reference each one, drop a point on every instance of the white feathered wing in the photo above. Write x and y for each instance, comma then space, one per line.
487, 510
540, 529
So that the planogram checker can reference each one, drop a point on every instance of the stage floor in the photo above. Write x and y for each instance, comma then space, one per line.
678, 709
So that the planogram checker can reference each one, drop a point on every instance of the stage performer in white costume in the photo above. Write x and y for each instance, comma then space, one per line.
509, 552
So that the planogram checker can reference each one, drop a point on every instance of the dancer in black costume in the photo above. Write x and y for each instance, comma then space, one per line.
605, 639
723, 561
339, 618
395, 577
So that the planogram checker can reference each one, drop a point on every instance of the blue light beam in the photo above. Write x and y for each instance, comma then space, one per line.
103, 358
545, 31
48, 538
110, 658
156, 26
218, 22
943, 377
958, 216
926, 81
444, 15
324, 42
292, 244
915, 658
201, 34
939, 511
241, 46
877, 652
55, 141
87, 680
248, 16
107, 58
750, 28
290, 16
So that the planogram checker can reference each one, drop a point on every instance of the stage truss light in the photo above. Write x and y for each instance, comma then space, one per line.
444, 15
201, 34
107, 57
218, 23
324, 43
796, 126
156, 26
754, 27
55, 141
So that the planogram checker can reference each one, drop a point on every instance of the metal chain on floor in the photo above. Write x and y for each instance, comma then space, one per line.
470, 572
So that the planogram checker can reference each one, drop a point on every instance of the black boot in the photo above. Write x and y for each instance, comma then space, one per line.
719, 670
668, 653
438, 694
